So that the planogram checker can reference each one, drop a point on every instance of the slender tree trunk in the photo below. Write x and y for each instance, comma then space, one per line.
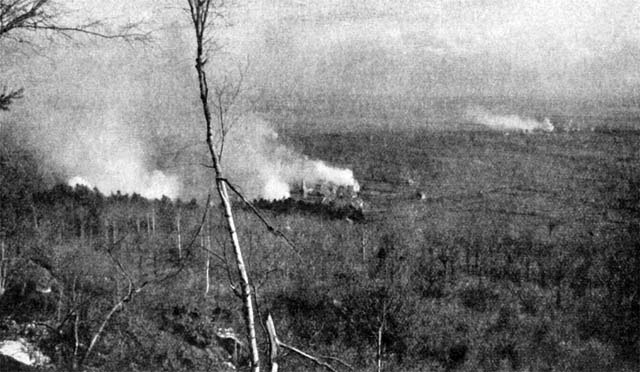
379, 349
35, 218
82, 231
76, 337
76, 321
363, 246
199, 13
273, 344
3, 269
205, 241
106, 231
379, 338
179, 235
208, 268
59, 305
244, 277
153, 221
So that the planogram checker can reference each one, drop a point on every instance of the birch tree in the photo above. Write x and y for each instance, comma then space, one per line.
203, 14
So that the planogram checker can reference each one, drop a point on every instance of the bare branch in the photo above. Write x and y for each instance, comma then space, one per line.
275, 344
41, 15
68, 30
307, 356
117, 307
7, 98
268, 225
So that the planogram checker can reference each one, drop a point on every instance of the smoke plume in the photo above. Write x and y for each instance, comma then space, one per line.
479, 115
113, 159
264, 168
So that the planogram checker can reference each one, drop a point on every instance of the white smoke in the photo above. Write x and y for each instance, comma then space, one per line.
275, 189
79, 181
481, 116
110, 157
264, 168
319, 172
131, 178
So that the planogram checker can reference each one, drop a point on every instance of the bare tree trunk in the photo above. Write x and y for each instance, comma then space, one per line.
275, 344
82, 231
379, 338
244, 277
3, 268
363, 246
94, 340
153, 221
106, 231
59, 305
115, 231
208, 268
76, 321
178, 217
379, 348
205, 241
76, 337
199, 14
35, 218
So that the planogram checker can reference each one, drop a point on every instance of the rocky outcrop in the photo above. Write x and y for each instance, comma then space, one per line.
21, 355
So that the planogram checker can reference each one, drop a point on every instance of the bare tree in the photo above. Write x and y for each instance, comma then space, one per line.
19, 17
40, 15
3, 268
203, 13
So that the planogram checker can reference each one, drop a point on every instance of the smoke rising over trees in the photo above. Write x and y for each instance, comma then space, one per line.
472, 250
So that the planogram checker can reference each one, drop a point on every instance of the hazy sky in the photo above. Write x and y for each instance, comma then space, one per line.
564, 47
370, 62
545, 48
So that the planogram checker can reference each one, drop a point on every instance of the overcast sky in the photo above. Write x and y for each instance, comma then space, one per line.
560, 47
412, 49
349, 62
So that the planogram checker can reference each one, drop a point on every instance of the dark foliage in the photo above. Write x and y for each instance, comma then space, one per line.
540, 274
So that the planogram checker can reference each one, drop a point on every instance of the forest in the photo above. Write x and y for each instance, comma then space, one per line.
530, 264
464, 237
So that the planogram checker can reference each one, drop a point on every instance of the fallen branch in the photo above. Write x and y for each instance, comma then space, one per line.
275, 344
118, 306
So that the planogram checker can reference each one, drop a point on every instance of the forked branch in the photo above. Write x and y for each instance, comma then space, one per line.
275, 344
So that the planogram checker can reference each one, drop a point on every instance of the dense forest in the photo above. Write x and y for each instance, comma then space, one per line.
118, 282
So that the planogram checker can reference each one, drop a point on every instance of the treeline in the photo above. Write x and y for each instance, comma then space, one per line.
149, 281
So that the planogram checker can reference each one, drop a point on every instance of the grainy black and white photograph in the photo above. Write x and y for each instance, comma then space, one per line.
320, 185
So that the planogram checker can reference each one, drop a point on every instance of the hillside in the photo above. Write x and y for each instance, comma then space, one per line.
477, 252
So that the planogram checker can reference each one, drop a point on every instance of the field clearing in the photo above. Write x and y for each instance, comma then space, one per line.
566, 183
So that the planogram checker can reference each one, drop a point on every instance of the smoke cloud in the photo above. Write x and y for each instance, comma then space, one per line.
129, 120
264, 168
479, 115
79, 181
112, 158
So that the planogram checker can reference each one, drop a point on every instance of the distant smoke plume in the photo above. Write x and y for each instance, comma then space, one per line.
479, 115
129, 120
264, 168
113, 159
